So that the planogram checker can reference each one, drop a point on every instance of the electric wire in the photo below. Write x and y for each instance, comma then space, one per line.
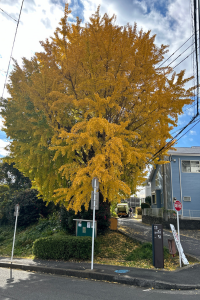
184, 59
175, 51
8, 14
12, 48
168, 144
180, 55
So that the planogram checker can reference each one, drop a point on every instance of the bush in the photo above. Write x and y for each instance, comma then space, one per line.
64, 247
102, 217
139, 211
31, 207
148, 200
145, 205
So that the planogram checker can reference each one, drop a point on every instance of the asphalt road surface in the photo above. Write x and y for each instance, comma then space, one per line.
34, 286
143, 232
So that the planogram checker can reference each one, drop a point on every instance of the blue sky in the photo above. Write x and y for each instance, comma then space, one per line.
170, 20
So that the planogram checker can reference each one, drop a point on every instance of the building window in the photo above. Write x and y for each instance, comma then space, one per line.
153, 195
190, 166
187, 198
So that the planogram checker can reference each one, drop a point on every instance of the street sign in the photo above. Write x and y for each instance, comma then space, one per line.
157, 245
17, 206
177, 205
96, 200
95, 183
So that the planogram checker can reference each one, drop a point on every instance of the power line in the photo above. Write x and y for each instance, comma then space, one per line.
188, 130
168, 144
180, 129
184, 59
197, 62
12, 47
180, 55
8, 14
175, 52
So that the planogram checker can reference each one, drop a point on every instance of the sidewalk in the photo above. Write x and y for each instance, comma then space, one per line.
186, 278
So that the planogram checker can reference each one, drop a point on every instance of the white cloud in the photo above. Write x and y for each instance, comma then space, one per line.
3, 144
193, 132
1, 123
191, 111
190, 139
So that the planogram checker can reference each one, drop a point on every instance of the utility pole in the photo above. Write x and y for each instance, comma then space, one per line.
196, 19
165, 193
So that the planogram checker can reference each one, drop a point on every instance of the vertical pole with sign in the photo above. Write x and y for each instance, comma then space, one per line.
178, 207
95, 185
16, 213
157, 246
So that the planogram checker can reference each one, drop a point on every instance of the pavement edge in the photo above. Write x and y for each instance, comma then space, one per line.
94, 275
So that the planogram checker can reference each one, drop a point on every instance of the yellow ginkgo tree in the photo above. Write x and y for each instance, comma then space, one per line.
94, 103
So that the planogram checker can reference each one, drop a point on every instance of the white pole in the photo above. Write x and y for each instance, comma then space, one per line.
14, 235
179, 239
93, 229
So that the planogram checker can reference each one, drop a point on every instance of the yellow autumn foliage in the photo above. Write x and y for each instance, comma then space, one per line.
93, 104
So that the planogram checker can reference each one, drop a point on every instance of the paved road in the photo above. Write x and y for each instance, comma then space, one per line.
138, 230
34, 286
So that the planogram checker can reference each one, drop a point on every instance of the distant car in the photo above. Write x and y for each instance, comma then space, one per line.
122, 210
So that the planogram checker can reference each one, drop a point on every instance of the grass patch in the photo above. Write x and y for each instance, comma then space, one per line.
25, 237
117, 249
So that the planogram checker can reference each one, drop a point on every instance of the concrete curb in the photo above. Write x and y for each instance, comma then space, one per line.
93, 274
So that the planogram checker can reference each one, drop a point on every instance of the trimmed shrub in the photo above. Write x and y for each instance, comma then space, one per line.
64, 247
145, 205
139, 211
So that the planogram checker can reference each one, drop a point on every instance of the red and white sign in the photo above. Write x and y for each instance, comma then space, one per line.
177, 205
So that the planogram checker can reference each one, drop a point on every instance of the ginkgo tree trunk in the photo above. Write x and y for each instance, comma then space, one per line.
93, 103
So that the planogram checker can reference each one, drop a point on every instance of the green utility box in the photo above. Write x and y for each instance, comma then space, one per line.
84, 227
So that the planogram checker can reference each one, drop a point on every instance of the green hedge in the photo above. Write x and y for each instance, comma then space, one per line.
145, 205
61, 247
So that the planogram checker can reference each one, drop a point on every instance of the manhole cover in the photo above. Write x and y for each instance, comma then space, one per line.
122, 271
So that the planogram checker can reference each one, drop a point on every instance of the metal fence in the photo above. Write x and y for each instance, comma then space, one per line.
191, 214
158, 212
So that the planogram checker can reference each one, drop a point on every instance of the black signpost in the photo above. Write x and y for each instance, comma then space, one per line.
157, 244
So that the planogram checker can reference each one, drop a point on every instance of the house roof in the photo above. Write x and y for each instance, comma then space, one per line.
185, 150
195, 150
